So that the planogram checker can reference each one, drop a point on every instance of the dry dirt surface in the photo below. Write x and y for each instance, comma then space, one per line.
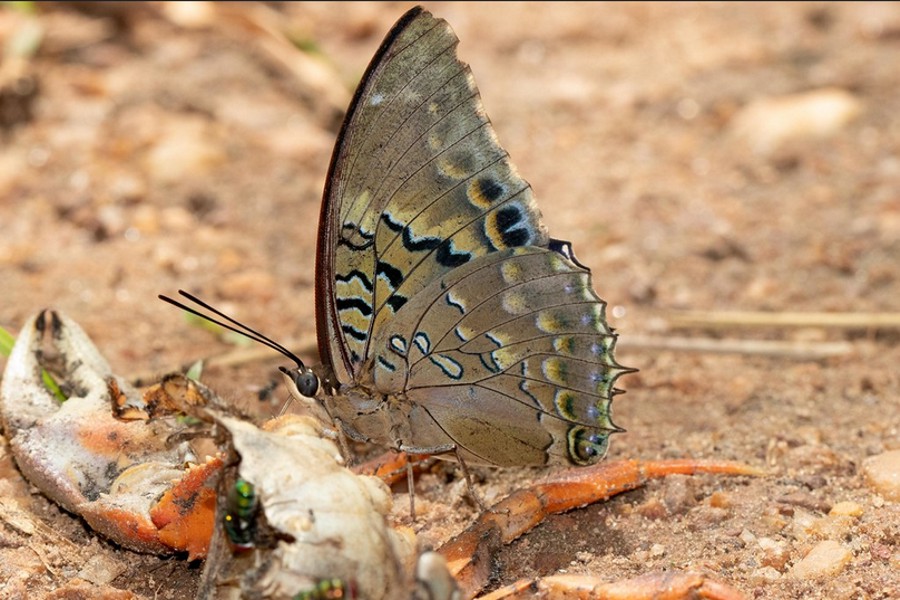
700, 157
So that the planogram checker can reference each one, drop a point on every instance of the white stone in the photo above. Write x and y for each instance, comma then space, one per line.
882, 473
826, 559
768, 123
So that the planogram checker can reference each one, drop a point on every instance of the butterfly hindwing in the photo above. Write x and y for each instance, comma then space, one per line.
516, 337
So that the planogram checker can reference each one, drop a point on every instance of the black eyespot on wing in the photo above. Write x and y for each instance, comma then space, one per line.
508, 217
516, 237
490, 189
586, 446
506, 220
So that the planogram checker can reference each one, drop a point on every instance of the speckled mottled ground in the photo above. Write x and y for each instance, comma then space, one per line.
142, 152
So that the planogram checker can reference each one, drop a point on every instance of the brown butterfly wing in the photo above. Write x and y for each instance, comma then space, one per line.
418, 186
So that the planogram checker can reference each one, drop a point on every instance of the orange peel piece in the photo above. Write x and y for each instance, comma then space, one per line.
185, 515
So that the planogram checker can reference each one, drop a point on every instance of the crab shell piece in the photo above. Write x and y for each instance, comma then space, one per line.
329, 523
121, 477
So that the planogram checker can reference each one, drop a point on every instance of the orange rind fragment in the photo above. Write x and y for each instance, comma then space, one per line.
186, 514
391, 466
469, 555
132, 529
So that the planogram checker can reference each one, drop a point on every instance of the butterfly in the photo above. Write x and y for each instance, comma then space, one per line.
449, 322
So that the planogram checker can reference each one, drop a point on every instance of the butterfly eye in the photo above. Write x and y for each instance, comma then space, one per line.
307, 383
240, 515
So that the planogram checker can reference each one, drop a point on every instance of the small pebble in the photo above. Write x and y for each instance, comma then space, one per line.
826, 559
847, 509
769, 123
678, 494
583, 557
177, 218
657, 550
804, 499
653, 509
187, 147
802, 522
100, 569
747, 537
775, 554
146, 219
831, 527
13, 515
882, 473
720, 500
766, 574
880, 552
708, 516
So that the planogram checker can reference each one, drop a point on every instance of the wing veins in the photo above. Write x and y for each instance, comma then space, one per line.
514, 317
395, 98
538, 409
447, 240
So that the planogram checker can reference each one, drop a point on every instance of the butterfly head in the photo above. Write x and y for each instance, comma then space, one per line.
307, 387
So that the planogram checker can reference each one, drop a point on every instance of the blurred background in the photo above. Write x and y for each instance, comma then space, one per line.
701, 157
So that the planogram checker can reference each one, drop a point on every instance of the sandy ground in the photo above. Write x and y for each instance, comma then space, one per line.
700, 157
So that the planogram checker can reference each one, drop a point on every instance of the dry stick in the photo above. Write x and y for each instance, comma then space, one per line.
676, 320
682, 319
793, 349
800, 349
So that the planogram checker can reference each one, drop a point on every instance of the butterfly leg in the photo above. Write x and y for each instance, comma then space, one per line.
469, 554
482, 507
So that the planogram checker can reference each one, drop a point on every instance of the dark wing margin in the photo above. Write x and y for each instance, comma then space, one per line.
328, 328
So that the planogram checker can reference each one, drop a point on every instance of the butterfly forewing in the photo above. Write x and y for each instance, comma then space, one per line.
418, 186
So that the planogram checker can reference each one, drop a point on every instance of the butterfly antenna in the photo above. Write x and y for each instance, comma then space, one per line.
230, 324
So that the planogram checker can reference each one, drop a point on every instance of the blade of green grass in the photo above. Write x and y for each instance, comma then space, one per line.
7, 341
195, 371
226, 335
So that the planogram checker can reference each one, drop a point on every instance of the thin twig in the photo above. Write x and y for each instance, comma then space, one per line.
799, 349
683, 319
